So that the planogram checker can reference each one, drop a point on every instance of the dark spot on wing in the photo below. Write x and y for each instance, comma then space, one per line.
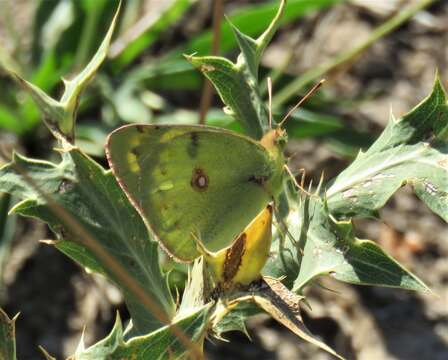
233, 257
194, 138
199, 180
193, 145
140, 128
135, 151
258, 179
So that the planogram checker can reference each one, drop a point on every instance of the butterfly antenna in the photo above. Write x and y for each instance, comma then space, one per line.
300, 187
302, 100
270, 101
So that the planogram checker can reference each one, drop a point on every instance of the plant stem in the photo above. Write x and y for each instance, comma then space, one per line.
207, 90
346, 57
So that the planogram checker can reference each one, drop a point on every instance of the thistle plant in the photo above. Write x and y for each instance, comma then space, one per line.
105, 221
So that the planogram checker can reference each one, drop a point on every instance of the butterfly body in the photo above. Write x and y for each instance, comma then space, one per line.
195, 179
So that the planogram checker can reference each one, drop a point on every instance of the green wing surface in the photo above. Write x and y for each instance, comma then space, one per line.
192, 179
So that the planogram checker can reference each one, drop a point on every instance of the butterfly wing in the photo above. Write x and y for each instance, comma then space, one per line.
191, 179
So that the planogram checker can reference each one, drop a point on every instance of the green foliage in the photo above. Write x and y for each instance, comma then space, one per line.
91, 196
237, 83
411, 150
129, 46
60, 115
329, 247
252, 20
321, 235
97, 227
159, 344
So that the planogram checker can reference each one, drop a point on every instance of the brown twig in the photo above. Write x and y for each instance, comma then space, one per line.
207, 90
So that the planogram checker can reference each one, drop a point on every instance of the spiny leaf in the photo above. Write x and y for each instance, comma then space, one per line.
251, 49
253, 19
92, 196
236, 93
74, 87
329, 247
283, 305
160, 344
237, 83
235, 320
103, 347
60, 115
52, 110
7, 337
412, 150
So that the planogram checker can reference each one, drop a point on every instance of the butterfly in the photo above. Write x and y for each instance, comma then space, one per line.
189, 180
193, 179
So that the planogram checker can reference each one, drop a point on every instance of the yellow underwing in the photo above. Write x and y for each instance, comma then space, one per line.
242, 261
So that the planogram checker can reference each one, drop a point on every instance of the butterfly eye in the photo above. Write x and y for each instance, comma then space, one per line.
282, 137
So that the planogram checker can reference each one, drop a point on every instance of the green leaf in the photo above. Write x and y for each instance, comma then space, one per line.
235, 319
411, 150
330, 247
52, 110
237, 84
7, 337
251, 49
242, 100
146, 30
60, 115
253, 20
92, 196
75, 86
159, 344
171, 72
175, 73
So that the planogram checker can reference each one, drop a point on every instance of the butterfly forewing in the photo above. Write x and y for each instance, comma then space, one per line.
191, 179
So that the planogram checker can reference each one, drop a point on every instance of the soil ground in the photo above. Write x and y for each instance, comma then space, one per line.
57, 299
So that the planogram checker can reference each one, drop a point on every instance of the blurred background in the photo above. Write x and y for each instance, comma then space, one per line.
147, 80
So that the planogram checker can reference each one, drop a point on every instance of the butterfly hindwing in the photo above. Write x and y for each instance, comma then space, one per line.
191, 179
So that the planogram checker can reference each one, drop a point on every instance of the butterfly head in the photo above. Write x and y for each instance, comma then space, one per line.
274, 139
277, 137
